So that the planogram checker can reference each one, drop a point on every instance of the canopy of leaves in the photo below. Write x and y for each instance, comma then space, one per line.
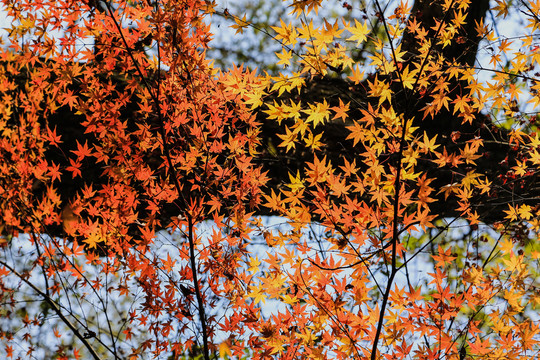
138, 178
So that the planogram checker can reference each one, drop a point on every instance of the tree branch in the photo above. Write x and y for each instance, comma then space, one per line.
55, 308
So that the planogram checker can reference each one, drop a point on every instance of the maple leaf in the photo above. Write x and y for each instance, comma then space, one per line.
341, 110
408, 78
284, 58
313, 142
357, 75
380, 89
318, 113
358, 31
357, 133
257, 294
240, 25
349, 168
428, 145
74, 168
483, 185
296, 182
94, 239
525, 212
168, 264
288, 138
501, 8
511, 213
54, 139
254, 264
225, 350
70, 99
274, 201
286, 33
54, 172
82, 151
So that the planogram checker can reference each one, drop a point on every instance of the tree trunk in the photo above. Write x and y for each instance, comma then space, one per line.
494, 163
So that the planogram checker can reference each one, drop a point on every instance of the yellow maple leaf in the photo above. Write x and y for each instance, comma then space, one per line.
287, 33
534, 157
224, 349
94, 238
254, 263
408, 78
313, 142
428, 145
359, 32
501, 8
240, 25
525, 212
380, 89
318, 113
288, 138
506, 246
511, 213
284, 57
296, 181
483, 185
474, 275
258, 294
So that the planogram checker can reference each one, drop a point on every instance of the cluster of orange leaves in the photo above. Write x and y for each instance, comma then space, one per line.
164, 129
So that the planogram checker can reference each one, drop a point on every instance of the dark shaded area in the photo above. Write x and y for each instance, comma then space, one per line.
497, 156
496, 160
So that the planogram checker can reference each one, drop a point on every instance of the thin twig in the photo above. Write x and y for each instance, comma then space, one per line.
55, 308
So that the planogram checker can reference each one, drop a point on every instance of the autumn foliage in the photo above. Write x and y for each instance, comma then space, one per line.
374, 199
